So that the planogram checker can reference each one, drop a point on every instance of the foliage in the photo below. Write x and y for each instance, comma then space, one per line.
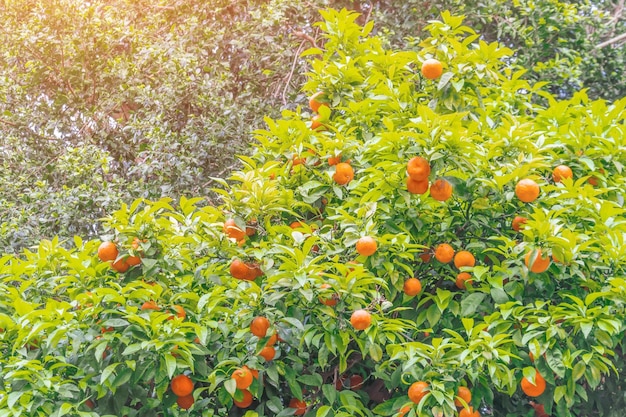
167, 94
76, 340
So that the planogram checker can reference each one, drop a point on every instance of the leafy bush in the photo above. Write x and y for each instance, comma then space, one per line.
83, 337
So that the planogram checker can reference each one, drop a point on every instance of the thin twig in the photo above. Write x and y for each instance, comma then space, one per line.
293, 68
306, 37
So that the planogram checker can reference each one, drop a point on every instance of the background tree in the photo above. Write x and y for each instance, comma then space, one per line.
102, 102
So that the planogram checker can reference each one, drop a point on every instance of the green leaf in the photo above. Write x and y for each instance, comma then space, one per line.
470, 304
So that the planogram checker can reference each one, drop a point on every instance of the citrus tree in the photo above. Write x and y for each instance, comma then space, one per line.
423, 239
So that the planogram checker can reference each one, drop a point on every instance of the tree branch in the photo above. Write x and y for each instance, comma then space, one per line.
611, 41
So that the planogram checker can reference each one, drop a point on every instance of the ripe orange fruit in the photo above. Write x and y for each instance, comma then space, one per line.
593, 181
463, 393
517, 223
315, 103
133, 260
560, 172
121, 265
366, 246
254, 372
412, 286
334, 160
432, 69
416, 187
332, 301
243, 377
418, 168
536, 389
185, 402
246, 401
272, 340
527, 190
181, 385
150, 305
441, 190
233, 231
107, 251
343, 173
403, 411
180, 311
444, 253
361, 319
464, 258
425, 257
296, 224
417, 391
259, 326
299, 405
316, 122
268, 353
469, 412
241, 270
463, 279
538, 263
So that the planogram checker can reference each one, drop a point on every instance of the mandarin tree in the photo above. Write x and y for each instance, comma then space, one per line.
75, 339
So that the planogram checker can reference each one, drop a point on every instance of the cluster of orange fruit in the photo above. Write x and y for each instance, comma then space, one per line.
418, 170
182, 387
419, 389
527, 190
108, 252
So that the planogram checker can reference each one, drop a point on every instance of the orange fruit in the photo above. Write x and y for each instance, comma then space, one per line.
412, 286
181, 385
418, 168
469, 412
536, 389
332, 301
464, 258
463, 279
417, 391
517, 223
295, 224
463, 393
444, 253
593, 181
90, 404
527, 190
246, 401
243, 377
416, 187
561, 172
366, 246
107, 251
241, 270
180, 311
425, 257
538, 263
404, 411
315, 103
299, 405
334, 160
254, 372
343, 173
233, 231
150, 305
121, 265
268, 353
361, 319
185, 402
316, 122
259, 326
441, 190
272, 340
356, 382
432, 69
133, 260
